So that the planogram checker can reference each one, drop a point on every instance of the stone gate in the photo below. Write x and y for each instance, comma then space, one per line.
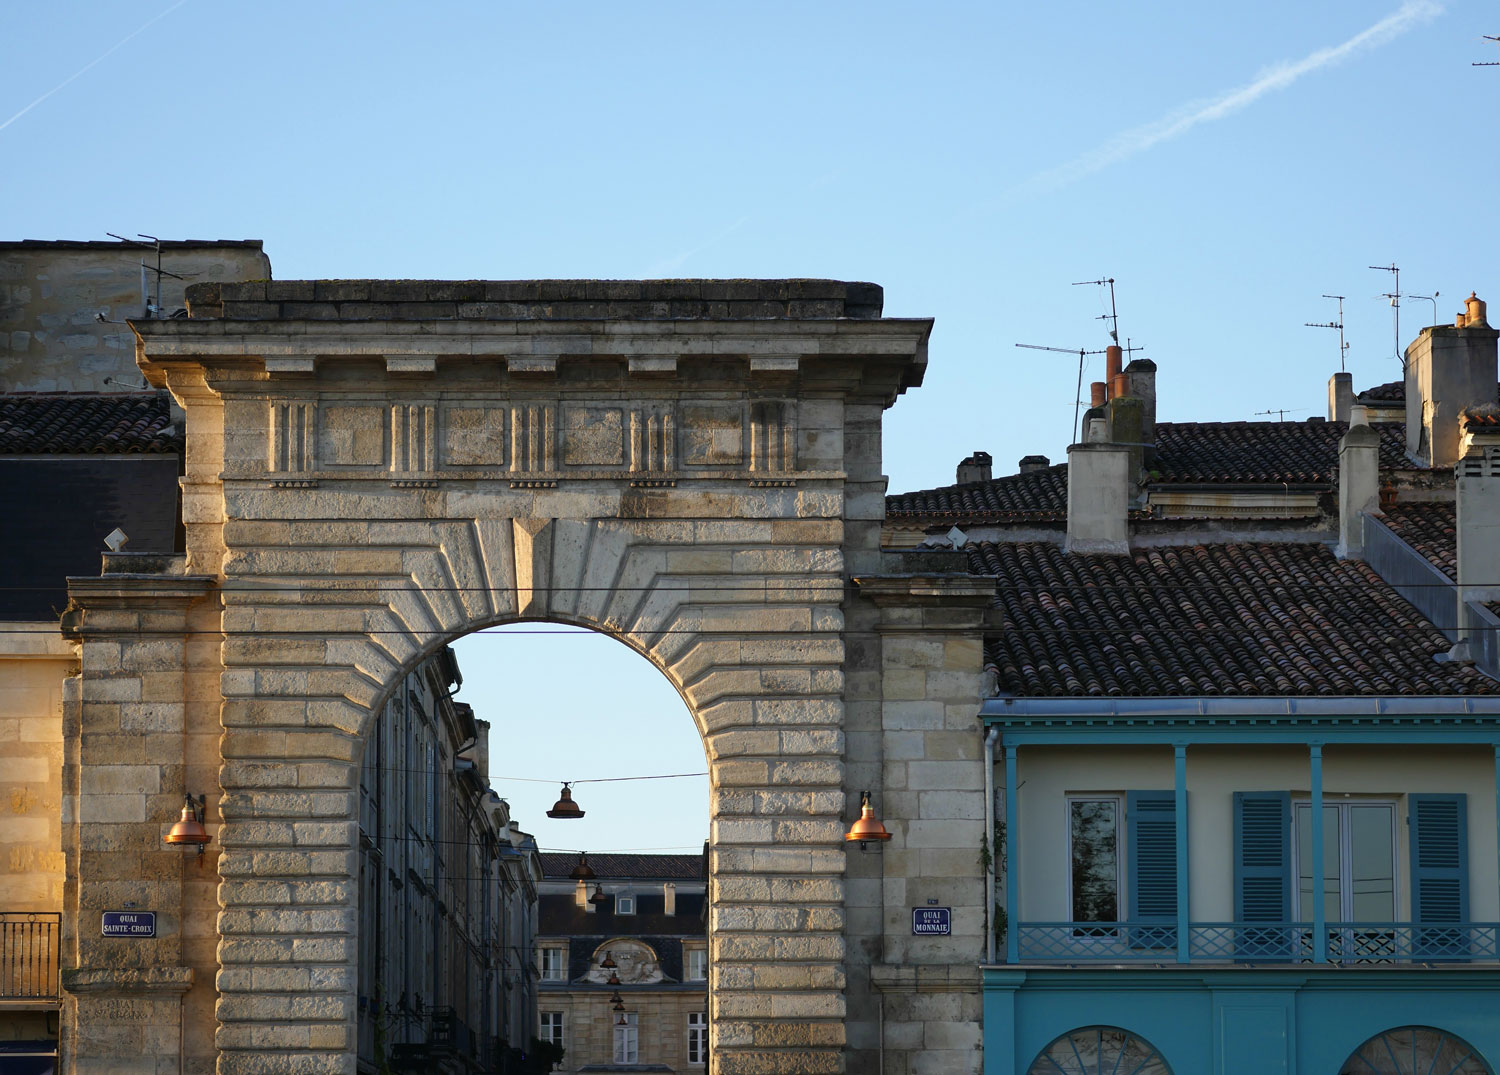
374, 469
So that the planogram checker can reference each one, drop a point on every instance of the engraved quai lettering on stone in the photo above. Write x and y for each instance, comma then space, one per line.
413, 437
533, 437
713, 434
773, 435
653, 438
291, 439
351, 435
593, 436
475, 436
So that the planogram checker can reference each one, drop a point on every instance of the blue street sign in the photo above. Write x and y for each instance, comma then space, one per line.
931, 921
128, 924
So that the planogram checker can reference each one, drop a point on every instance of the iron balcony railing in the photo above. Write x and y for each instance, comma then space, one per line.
28, 954
1259, 942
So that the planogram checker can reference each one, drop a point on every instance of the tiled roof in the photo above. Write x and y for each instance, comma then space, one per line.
1036, 493
1261, 453
1489, 420
1237, 619
559, 864
1431, 529
1209, 453
86, 424
1392, 392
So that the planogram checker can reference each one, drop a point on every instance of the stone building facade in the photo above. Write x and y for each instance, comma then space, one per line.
374, 469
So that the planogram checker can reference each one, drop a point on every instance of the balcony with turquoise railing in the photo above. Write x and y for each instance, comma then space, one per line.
1269, 943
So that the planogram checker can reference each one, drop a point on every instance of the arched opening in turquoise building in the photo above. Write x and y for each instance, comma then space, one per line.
1415, 1050
1099, 1050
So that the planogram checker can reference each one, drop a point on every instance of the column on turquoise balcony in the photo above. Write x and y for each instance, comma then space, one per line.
1184, 937
1315, 810
1012, 889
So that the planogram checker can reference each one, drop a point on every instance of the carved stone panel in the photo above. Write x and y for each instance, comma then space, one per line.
475, 436
653, 438
533, 437
413, 437
292, 437
593, 436
713, 434
773, 435
351, 435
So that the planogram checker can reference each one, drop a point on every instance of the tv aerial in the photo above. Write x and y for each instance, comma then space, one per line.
153, 306
1487, 37
1113, 316
1339, 324
1394, 298
1078, 392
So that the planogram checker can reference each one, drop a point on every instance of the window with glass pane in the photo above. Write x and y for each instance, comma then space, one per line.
697, 1043
1094, 850
696, 968
552, 1027
627, 1041
554, 968
1359, 862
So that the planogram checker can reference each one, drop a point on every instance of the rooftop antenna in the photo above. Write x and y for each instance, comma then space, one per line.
1339, 324
1394, 298
1279, 412
153, 306
1113, 316
1487, 37
1078, 393
1432, 299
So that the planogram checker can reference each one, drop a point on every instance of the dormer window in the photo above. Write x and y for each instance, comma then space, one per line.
624, 904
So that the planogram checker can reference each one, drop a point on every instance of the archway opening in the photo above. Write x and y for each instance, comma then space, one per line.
480, 947
1099, 1050
1415, 1050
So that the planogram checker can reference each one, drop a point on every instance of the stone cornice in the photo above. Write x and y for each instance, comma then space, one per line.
948, 591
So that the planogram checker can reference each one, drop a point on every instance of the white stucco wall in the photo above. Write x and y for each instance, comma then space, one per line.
1047, 775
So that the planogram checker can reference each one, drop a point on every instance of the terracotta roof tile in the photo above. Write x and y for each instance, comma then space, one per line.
1188, 453
86, 424
1036, 493
1392, 392
1261, 453
1235, 619
1431, 529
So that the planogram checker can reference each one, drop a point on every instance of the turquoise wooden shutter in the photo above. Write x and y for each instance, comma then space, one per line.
1151, 829
1439, 873
1262, 873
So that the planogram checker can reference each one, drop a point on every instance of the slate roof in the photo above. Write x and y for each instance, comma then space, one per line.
1232, 619
1431, 529
557, 865
34, 423
1187, 453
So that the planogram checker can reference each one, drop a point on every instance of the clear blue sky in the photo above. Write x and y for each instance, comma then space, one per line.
1226, 164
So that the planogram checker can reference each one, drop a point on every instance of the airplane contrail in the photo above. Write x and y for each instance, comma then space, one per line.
1277, 77
92, 63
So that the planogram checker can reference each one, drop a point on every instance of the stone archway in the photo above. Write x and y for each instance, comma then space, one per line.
375, 468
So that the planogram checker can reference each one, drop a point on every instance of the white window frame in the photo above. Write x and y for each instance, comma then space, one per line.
551, 1027
561, 969
691, 956
627, 1040
697, 1038
1346, 865
1122, 913
625, 903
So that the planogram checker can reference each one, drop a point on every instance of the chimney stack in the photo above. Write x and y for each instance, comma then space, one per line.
1448, 371
1340, 397
1030, 463
1359, 488
1478, 508
1141, 375
1098, 495
979, 467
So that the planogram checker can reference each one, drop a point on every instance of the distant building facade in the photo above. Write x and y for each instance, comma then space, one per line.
448, 891
634, 931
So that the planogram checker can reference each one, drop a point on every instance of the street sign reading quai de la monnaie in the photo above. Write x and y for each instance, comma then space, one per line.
931, 921
128, 924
